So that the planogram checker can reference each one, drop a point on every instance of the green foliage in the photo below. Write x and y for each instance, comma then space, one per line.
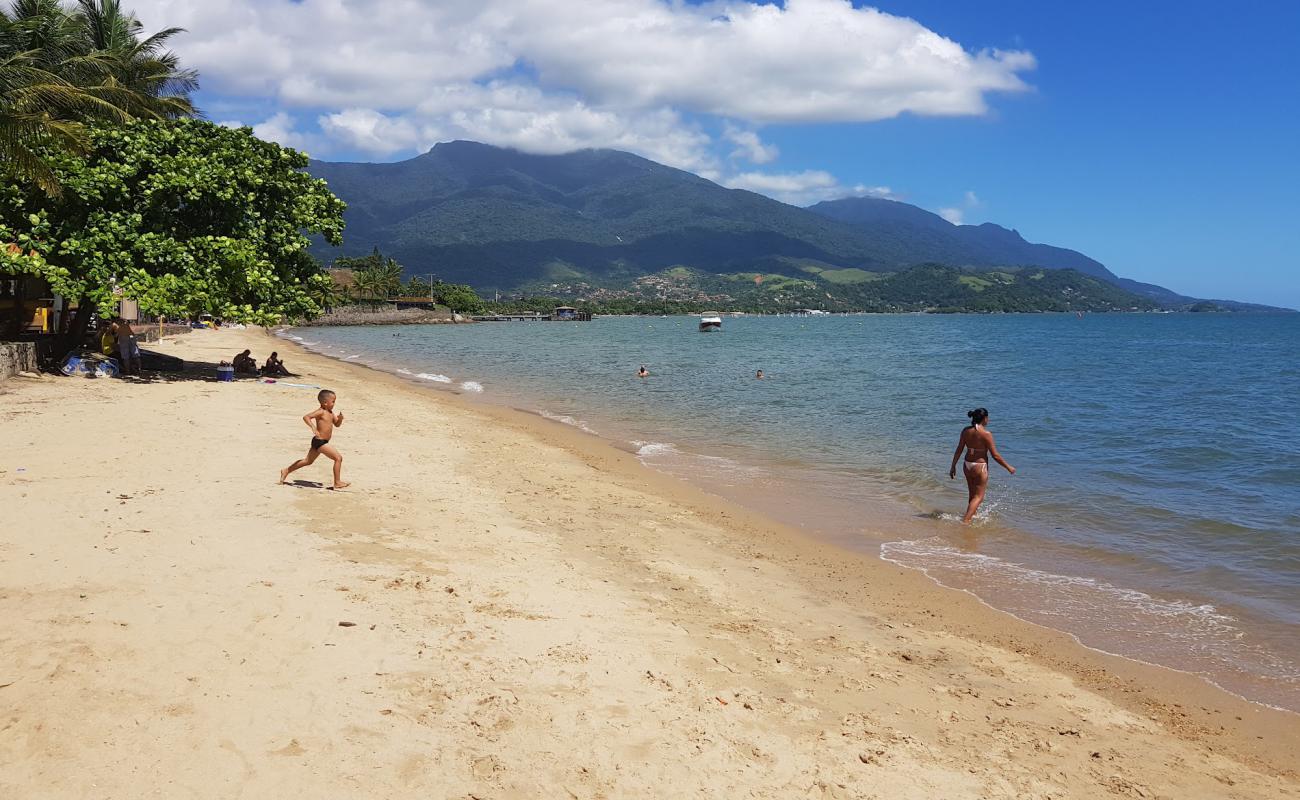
931, 288
186, 217
849, 275
63, 67
458, 297
375, 276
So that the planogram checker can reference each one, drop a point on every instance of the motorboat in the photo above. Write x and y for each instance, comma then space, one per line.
710, 323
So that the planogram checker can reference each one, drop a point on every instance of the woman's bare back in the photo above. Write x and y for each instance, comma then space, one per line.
976, 440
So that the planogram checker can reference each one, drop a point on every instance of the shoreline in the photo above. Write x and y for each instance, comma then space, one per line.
588, 444
687, 574
891, 521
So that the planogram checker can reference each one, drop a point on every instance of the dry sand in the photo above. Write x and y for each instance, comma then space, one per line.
529, 614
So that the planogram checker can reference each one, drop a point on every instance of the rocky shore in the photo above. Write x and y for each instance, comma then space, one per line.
361, 315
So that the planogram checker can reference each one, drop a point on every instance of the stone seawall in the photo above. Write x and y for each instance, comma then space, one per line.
16, 357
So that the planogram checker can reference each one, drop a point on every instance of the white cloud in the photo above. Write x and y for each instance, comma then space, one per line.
953, 215
803, 188
957, 214
526, 119
391, 76
748, 146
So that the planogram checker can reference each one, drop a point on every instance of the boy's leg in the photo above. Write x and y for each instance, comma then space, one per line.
332, 453
299, 464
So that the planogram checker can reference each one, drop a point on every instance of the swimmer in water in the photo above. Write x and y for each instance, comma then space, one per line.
759, 375
978, 444
643, 372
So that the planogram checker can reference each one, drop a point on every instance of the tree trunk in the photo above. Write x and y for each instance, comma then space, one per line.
76, 332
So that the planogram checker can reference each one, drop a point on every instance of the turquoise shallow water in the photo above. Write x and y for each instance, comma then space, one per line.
1156, 508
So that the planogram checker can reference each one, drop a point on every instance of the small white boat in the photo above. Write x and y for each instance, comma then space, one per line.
708, 324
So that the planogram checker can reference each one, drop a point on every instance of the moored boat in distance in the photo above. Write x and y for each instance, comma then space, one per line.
710, 322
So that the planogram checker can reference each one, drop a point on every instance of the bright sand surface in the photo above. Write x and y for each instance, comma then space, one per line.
530, 613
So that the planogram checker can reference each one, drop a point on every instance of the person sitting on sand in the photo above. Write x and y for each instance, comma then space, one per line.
643, 372
244, 363
322, 422
275, 368
978, 444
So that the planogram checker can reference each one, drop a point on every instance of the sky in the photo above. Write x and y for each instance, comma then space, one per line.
1161, 138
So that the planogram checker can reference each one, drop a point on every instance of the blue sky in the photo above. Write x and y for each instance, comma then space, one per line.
1160, 138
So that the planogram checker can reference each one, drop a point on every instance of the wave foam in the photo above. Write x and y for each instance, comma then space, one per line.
648, 449
472, 386
567, 420
433, 376
1071, 593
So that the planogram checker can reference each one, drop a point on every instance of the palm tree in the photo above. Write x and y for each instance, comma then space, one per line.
59, 70
329, 295
380, 281
140, 75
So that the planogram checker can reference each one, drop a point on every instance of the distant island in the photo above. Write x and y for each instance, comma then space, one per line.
618, 232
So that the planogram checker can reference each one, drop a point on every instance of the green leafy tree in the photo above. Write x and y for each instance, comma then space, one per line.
458, 297
186, 217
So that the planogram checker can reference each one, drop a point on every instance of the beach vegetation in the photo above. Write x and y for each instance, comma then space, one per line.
459, 298
374, 277
184, 216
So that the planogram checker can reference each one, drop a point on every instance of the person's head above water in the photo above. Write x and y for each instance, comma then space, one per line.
758, 374
978, 416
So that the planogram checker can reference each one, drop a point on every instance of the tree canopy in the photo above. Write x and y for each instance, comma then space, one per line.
185, 216
63, 67
374, 276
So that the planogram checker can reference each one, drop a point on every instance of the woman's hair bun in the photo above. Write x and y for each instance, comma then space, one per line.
978, 415
970, 414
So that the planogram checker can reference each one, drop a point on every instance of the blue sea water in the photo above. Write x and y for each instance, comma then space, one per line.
1155, 512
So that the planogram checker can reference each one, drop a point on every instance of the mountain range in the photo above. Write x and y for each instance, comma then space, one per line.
502, 220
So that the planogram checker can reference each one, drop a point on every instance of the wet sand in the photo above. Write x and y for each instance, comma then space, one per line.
530, 613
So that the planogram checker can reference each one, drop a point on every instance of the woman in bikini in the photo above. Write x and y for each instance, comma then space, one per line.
978, 444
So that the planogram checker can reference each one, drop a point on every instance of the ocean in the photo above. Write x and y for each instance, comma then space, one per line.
1155, 512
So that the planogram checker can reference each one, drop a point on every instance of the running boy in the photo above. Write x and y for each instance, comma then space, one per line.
322, 422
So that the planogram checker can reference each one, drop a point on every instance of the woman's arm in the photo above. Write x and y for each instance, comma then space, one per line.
993, 451
961, 445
